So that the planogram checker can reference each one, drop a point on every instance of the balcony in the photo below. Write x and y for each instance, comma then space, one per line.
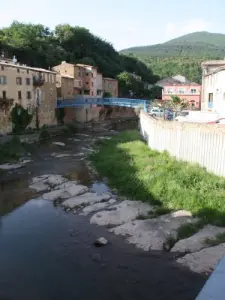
38, 80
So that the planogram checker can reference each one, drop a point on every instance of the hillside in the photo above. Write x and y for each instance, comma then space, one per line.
37, 45
181, 55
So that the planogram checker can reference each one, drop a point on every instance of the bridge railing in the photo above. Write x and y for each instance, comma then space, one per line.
86, 102
215, 286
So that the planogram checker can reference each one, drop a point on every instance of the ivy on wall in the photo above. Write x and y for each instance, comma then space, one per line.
20, 118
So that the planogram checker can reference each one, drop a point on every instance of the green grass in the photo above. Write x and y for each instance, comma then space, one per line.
143, 174
219, 239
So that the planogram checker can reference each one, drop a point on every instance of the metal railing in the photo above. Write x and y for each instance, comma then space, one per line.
126, 102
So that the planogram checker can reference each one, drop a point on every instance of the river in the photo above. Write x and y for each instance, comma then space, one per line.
49, 254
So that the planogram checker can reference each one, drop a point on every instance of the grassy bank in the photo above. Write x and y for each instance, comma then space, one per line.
143, 174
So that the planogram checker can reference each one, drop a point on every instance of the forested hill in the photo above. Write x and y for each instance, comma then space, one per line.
37, 45
182, 55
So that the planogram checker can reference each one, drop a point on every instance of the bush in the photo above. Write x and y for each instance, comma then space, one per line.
20, 118
69, 129
44, 135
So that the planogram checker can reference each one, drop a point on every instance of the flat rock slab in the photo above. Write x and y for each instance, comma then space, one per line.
152, 234
50, 179
95, 207
39, 186
11, 166
121, 213
85, 199
197, 241
66, 185
205, 260
15, 166
59, 144
65, 193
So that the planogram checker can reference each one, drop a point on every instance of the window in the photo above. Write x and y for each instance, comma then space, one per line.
19, 95
210, 100
170, 91
27, 71
87, 82
18, 70
27, 81
79, 83
92, 84
3, 80
92, 75
2, 68
181, 91
193, 91
110, 86
29, 109
28, 95
4, 94
18, 80
210, 97
79, 74
87, 74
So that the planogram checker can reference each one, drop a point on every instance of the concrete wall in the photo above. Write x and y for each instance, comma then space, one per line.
192, 142
214, 84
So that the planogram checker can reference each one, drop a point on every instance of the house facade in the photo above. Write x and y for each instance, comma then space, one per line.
110, 86
30, 87
213, 88
191, 92
86, 79
180, 86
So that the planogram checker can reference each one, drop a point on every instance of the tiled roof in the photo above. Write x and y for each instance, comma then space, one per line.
26, 67
216, 71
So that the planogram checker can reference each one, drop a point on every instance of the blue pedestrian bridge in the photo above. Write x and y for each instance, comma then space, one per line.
90, 102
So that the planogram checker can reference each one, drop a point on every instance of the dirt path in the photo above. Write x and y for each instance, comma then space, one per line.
46, 253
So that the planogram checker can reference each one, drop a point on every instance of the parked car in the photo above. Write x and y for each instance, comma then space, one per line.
157, 112
218, 121
183, 116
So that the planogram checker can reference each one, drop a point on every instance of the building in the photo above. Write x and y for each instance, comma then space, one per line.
213, 88
30, 87
110, 86
179, 86
87, 80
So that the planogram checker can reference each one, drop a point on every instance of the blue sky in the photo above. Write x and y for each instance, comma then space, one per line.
124, 23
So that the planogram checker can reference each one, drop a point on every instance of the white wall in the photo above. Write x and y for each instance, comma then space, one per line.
214, 83
195, 143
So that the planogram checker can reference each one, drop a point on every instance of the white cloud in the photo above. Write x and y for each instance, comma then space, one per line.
178, 29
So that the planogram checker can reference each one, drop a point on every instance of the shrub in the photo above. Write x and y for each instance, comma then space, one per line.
44, 135
20, 118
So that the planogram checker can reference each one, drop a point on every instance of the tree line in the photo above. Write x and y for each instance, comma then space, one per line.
37, 45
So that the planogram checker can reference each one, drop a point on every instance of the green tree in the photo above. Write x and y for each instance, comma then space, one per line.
177, 104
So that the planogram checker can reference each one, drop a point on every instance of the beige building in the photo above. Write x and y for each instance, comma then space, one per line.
86, 79
30, 87
110, 86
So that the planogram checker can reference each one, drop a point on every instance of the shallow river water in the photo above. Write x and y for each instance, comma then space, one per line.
48, 254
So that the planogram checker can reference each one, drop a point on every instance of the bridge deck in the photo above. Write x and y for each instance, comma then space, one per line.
87, 102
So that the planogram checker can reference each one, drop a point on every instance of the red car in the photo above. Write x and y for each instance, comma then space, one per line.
219, 121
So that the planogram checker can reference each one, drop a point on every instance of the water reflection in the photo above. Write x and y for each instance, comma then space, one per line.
13, 194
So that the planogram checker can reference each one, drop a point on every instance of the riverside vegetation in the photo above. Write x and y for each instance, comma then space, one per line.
140, 173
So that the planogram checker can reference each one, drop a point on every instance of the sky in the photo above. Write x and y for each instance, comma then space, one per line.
123, 23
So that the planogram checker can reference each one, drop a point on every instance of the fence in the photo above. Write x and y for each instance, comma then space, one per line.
192, 142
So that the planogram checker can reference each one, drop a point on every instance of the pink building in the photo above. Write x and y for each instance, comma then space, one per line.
190, 91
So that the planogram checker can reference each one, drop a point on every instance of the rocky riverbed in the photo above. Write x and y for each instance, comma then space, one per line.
56, 193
